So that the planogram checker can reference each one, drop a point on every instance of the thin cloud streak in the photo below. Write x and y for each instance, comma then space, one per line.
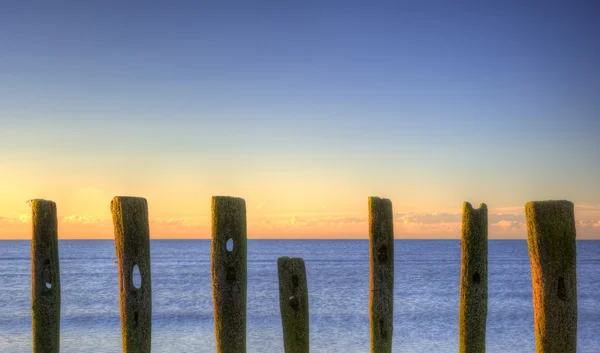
441, 224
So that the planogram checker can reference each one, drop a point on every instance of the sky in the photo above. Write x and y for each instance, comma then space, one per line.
304, 109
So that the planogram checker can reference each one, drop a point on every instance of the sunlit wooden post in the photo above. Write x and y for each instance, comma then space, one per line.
293, 304
552, 252
228, 271
45, 278
132, 242
381, 258
473, 280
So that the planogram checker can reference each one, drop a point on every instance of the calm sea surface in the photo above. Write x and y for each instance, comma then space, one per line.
425, 302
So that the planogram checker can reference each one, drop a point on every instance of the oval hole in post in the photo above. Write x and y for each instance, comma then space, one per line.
229, 245
230, 275
136, 277
294, 303
476, 278
382, 330
47, 274
562, 289
382, 253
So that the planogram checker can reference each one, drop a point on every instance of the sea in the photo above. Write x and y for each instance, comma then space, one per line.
426, 296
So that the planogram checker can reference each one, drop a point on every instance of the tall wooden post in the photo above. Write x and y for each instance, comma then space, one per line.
473, 280
381, 258
132, 242
552, 252
45, 278
293, 304
228, 271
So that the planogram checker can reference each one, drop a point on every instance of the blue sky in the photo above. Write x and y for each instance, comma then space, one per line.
433, 100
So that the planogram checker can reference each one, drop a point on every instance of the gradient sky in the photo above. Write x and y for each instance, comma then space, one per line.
304, 109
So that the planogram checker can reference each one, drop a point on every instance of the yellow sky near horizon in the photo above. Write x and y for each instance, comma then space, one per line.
268, 219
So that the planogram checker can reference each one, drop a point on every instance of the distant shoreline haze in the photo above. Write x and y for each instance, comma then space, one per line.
503, 223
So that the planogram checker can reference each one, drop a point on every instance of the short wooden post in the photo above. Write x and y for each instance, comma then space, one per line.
552, 252
132, 242
473, 280
45, 278
381, 258
228, 271
293, 304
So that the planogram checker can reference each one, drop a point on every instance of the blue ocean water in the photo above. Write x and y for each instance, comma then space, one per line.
425, 303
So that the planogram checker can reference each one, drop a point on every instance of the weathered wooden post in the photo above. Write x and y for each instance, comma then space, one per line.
45, 278
381, 258
293, 304
552, 252
473, 280
228, 271
132, 242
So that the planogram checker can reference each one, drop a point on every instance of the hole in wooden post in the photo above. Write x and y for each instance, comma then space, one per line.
230, 273
135, 318
47, 274
382, 330
294, 303
229, 245
295, 281
476, 278
382, 254
562, 289
136, 277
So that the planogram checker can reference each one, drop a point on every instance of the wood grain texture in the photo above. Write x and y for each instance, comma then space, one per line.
381, 259
132, 245
473, 279
293, 304
552, 251
45, 278
228, 272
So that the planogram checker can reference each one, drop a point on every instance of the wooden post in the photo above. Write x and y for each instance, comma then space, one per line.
45, 278
552, 252
132, 242
473, 280
293, 304
381, 258
228, 271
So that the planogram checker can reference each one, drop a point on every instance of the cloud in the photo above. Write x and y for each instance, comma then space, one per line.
85, 220
427, 218
261, 205
587, 207
170, 222
508, 225
589, 224
314, 221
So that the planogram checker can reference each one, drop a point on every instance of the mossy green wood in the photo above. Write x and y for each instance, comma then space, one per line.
132, 243
228, 271
45, 278
473, 279
381, 258
293, 304
552, 252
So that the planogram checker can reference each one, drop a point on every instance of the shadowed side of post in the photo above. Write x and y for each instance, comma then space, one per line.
132, 243
552, 252
228, 272
381, 258
473, 280
293, 304
45, 278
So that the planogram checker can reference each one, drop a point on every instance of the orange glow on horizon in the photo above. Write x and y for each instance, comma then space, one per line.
504, 223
